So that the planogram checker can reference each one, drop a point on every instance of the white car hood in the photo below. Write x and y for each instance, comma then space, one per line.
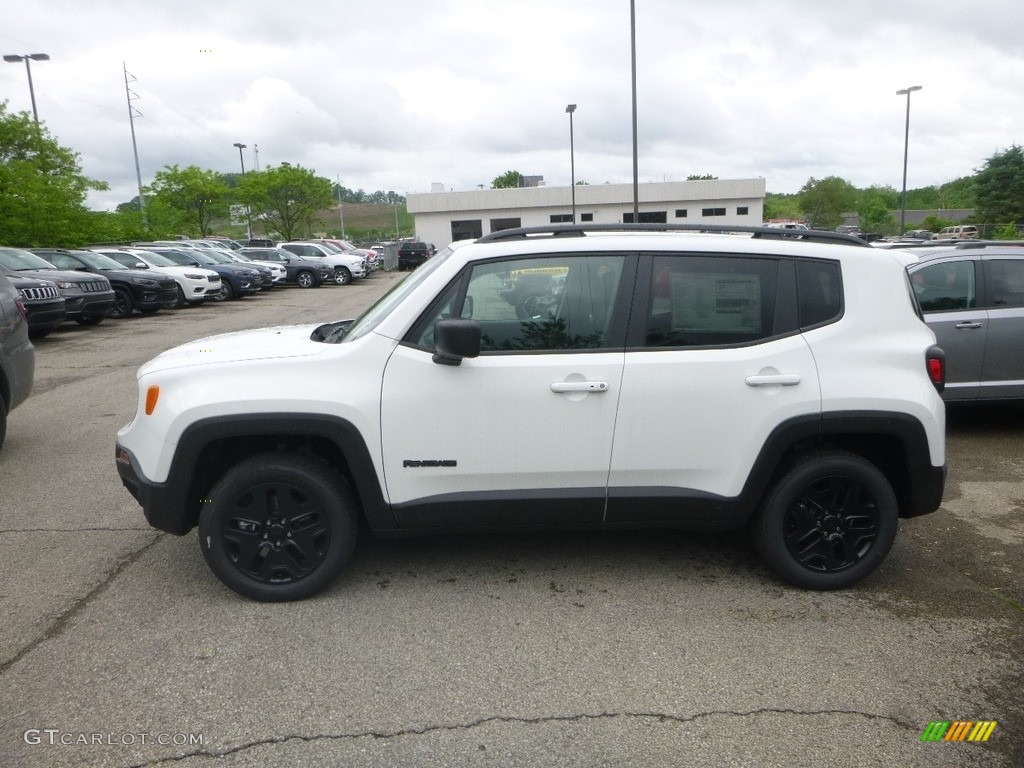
262, 344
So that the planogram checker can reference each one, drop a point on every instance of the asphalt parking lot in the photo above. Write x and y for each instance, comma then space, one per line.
119, 648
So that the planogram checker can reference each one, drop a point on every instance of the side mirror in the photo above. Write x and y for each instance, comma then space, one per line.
140, 265
455, 339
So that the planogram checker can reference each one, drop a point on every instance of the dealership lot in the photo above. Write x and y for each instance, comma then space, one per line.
573, 649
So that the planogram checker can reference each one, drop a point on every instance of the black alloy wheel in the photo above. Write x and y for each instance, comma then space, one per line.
829, 522
123, 304
278, 527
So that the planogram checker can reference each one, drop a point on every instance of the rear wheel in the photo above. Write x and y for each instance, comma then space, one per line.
278, 527
123, 304
828, 522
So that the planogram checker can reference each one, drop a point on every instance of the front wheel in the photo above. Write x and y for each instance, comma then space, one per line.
828, 522
278, 527
123, 304
180, 300
342, 276
226, 292
305, 279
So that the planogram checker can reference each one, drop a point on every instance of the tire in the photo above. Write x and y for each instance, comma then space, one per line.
38, 334
247, 524
305, 279
3, 421
123, 304
342, 276
226, 292
96, 320
181, 301
828, 522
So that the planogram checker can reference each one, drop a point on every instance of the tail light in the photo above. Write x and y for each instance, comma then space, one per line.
935, 361
21, 307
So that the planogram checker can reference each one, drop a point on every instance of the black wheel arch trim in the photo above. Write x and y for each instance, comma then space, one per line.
173, 506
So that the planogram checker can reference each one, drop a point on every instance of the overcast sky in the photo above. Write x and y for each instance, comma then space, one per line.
397, 94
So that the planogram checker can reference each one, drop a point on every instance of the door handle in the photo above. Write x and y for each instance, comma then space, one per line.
579, 386
967, 325
774, 379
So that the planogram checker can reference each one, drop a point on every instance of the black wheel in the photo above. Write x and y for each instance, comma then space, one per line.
89, 320
38, 333
342, 276
180, 301
278, 526
123, 304
305, 279
828, 523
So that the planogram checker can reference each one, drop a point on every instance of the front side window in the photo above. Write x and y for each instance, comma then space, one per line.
710, 301
949, 285
537, 304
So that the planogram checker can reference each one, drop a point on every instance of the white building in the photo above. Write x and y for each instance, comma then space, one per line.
442, 217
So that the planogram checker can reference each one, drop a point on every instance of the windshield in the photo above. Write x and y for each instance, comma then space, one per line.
159, 261
372, 317
97, 260
219, 258
15, 258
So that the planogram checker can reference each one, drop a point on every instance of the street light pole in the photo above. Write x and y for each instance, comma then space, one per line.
27, 58
241, 160
906, 148
572, 160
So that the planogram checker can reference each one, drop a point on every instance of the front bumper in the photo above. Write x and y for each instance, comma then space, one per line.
161, 505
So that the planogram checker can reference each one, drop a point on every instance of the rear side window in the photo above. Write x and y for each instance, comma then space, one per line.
949, 285
711, 301
819, 292
1007, 282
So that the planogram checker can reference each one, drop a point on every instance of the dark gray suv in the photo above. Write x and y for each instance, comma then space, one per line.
17, 356
972, 297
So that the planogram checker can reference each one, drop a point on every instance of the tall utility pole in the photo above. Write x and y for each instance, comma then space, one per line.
572, 161
28, 58
636, 173
131, 95
241, 161
906, 147
341, 212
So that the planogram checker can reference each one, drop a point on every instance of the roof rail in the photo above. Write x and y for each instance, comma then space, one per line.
582, 230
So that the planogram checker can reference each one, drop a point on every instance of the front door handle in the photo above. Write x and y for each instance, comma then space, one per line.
579, 386
968, 325
773, 379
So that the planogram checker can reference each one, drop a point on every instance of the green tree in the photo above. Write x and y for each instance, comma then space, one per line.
287, 197
999, 187
42, 189
781, 206
196, 196
508, 180
824, 201
701, 177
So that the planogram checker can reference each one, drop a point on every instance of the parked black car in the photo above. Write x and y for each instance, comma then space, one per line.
133, 289
412, 254
45, 309
87, 298
17, 356
303, 272
236, 280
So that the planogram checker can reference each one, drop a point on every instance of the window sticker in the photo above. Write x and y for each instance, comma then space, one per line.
716, 302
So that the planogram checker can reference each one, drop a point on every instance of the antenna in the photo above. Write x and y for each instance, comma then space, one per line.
132, 96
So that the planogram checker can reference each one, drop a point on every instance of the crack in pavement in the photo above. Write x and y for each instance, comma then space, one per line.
62, 621
73, 530
659, 716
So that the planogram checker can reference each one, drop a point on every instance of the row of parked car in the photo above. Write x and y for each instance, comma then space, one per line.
41, 288
90, 284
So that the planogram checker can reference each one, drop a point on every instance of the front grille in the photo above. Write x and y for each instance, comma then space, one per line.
94, 286
40, 294
213, 278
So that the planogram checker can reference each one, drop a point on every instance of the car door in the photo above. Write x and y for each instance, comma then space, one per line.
714, 364
1002, 373
521, 434
947, 292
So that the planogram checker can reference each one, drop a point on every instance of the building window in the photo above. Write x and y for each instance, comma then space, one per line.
713, 212
561, 218
586, 217
742, 211
499, 224
647, 217
680, 213
468, 229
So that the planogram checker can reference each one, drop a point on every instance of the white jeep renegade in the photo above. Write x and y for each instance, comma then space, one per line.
764, 379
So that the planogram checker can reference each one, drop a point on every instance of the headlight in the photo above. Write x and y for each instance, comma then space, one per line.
144, 282
192, 276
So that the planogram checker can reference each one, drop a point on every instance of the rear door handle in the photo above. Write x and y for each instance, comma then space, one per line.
773, 379
579, 386
967, 325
